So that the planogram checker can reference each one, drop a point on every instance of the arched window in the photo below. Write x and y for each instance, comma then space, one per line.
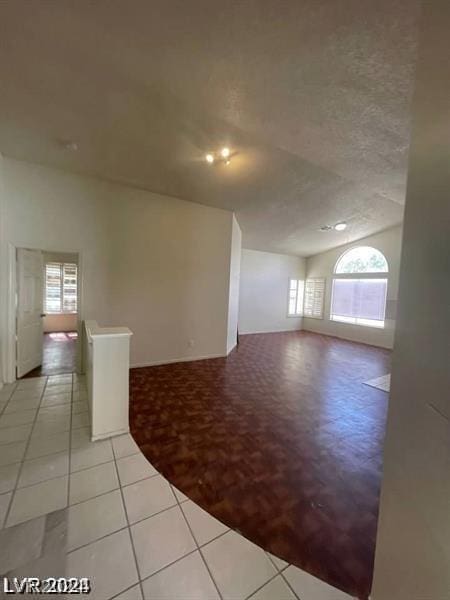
362, 259
360, 287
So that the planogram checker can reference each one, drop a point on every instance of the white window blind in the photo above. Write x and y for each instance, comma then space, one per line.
359, 301
296, 292
314, 298
60, 288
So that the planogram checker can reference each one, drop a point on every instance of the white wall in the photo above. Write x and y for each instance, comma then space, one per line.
235, 273
158, 265
413, 546
55, 211
170, 266
3, 275
264, 288
322, 265
60, 322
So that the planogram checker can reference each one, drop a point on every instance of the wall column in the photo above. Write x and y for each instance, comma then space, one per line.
413, 546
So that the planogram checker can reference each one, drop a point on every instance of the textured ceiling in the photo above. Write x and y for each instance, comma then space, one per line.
313, 97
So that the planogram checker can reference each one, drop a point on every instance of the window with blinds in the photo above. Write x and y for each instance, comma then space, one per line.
359, 301
296, 293
60, 288
314, 298
360, 287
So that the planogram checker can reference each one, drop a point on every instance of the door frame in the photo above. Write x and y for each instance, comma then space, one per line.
10, 347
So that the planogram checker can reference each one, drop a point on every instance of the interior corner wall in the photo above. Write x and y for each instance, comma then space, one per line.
322, 265
51, 210
55, 323
170, 276
3, 288
264, 291
412, 558
235, 270
153, 263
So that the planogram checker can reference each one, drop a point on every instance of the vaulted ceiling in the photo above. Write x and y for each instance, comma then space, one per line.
312, 97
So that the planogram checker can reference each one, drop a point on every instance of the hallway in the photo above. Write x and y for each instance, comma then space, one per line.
59, 354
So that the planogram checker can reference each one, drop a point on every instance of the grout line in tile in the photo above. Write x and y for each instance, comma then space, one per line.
139, 480
153, 515
104, 462
143, 518
19, 424
16, 462
278, 572
128, 524
24, 487
138, 451
44, 455
2, 410
5, 520
261, 586
16, 441
70, 445
169, 565
123, 591
438, 411
102, 537
196, 543
270, 558
216, 537
274, 564
139, 520
287, 582
92, 497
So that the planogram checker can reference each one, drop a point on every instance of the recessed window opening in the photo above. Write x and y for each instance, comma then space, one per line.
60, 288
314, 298
296, 290
360, 288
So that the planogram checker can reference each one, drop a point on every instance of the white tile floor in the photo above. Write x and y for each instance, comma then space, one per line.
127, 529
382, 383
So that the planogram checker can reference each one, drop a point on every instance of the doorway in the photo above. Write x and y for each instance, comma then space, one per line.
47, 312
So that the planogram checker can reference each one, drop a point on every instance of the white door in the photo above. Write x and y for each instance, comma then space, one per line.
30, 297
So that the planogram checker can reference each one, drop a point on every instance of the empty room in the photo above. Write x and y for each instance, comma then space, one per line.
224, 299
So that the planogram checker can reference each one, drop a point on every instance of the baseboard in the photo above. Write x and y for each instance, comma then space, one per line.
349, 339
170, 361
232, 348
271, 331
109, 434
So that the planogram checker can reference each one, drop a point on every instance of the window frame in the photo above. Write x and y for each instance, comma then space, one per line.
323, 282
376, 273
61, 266
300, 284
361, 275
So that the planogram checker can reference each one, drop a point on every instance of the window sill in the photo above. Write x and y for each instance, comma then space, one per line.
369, 325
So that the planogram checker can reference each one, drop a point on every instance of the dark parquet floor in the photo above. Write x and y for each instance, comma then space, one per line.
281, 441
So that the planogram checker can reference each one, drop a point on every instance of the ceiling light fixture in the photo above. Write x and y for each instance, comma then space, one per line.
341, 226
221, 156
69, 145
